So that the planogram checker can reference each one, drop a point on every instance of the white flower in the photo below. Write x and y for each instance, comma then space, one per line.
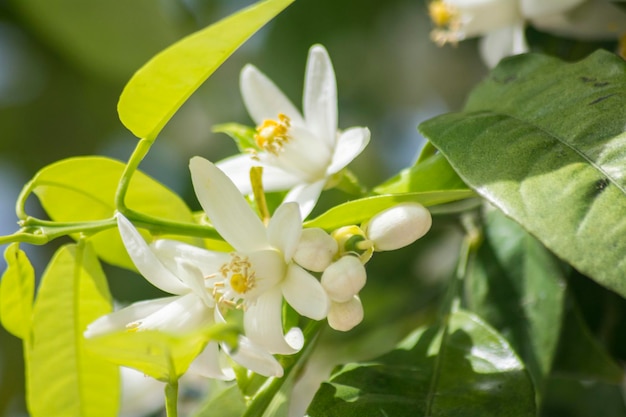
261, 271
502, 22
344, 279
298, 153
180, 269
398, 226
344, 316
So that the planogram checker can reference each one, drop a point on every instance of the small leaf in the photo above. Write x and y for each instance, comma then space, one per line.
466, 370
17, 290
432, 174
544, 141
518, 287
83, 188
358, 211
63, 378
241, 134
162, 356
163, 84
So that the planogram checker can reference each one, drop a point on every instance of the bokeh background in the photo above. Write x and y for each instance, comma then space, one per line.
63, 64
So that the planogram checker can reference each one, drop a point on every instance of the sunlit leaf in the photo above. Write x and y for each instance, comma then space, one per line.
544, 141
83, 188
162, 356
17, 289
432, 174
518, 287
465, 370
164, 83
357, 211
241, 134
228, 403
64, 379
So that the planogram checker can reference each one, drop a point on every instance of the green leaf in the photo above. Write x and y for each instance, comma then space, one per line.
83, 188
160, 355
519, 287
465, 370
432, 174
241, 134
228, 403
573, 398
64, 379
17, 290
358, 211
544, 141
163, 84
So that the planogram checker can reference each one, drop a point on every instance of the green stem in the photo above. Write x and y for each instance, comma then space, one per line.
142, 148
263, 398
21, 200
171, 399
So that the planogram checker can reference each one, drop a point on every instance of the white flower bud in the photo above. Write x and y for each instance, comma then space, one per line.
344, 316
344, 279
316, 250
398, 226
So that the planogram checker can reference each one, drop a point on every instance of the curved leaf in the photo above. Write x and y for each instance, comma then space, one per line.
544, 141
358, 211
466, 370
64, 379
163, 84
83, 188
17, 290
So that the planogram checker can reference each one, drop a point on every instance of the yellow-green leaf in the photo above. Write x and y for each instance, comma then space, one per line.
164, 83
64, 379
17, 289
160, 355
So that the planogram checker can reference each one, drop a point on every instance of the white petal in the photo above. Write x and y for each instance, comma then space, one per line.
501, 43
305, 293
285, 228
141, 395
207, 364
316, 250
193, 277
344, 316
275, 178
148, 264
269, 269
171, 252
481, 16
538, 8
253, 357
350, 144
306, 195
263, 325
398, 226
263, 99
118, 320
344, 279
320, 96
229, 212
184, 314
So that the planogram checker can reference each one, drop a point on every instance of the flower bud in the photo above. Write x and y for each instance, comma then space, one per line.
344, 316
398, 226
344, 279
316, 250
352, 240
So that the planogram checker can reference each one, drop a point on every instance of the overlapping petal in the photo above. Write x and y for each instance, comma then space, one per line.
350, 144
284, 229
305, 293
320, 95
237, 168
208, 364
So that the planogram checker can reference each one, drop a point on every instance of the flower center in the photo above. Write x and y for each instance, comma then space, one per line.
447, 20
272, 134
234, 280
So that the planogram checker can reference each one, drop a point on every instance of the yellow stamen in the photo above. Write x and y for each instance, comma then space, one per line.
239, 269
239, 283
133, 327
447, 20
272, 134
441, 13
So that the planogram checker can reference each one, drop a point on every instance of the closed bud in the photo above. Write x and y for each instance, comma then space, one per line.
316, 250
344, 316
398, 226
344, 279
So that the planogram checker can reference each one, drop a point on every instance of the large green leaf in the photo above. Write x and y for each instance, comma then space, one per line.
544, 141
17, 290
358, 211
519, 287
83, 188
465, 370
64, 379
160, 355
164, 83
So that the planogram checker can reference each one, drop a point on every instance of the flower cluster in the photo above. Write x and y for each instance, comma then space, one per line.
501, 23
319, 274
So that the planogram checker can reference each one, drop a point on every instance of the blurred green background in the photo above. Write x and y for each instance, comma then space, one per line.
63, 64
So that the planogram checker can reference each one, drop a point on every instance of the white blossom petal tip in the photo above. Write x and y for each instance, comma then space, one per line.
398, 226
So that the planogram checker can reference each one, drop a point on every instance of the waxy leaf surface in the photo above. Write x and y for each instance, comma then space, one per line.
17, 290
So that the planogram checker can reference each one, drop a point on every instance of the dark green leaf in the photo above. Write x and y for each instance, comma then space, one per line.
466, 370
544, 141
519, 287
